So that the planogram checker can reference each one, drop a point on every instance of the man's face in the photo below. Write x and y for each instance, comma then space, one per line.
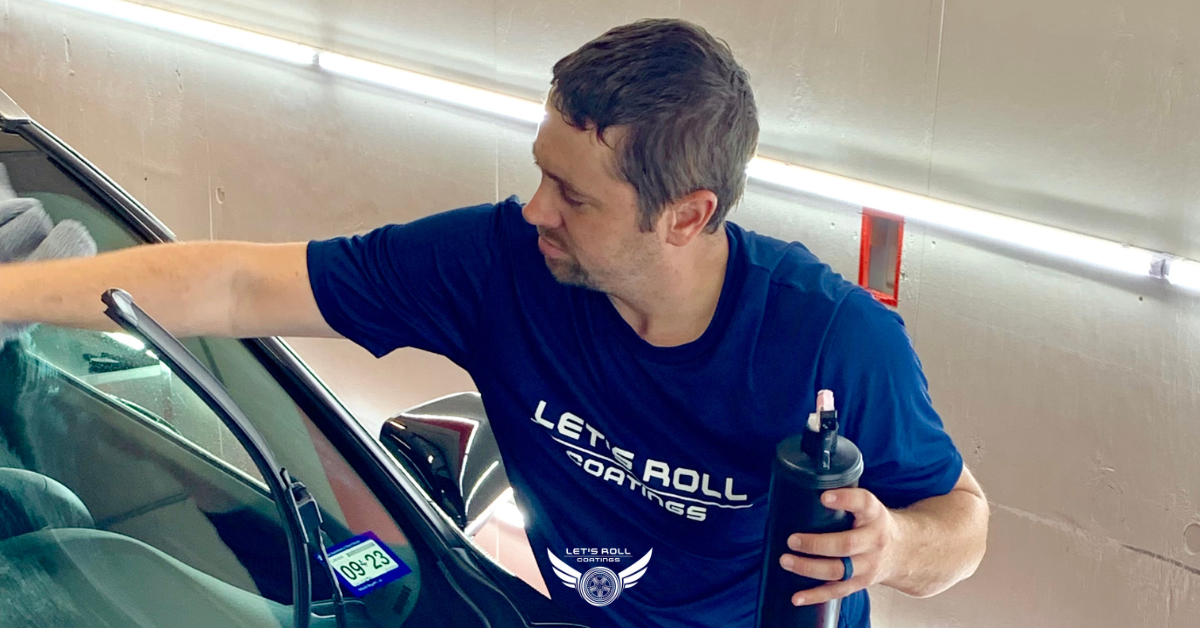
587, 218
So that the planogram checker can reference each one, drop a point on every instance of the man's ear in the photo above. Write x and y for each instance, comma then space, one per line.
685, 218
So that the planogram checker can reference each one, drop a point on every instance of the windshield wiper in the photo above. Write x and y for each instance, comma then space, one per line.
296, 505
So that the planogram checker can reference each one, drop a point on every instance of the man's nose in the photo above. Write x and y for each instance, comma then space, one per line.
540, 213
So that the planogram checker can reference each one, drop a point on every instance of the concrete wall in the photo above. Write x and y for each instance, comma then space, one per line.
1074, 395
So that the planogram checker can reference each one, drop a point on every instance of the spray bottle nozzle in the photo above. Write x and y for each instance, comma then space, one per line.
820, 441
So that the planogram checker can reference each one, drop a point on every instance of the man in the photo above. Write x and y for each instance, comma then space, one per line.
639, 357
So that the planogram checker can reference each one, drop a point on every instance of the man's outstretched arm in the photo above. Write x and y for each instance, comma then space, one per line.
233, 289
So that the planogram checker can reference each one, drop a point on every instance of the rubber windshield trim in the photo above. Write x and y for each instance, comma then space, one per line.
123, 311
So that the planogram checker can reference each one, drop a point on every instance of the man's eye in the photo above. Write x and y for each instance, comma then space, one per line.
572, 202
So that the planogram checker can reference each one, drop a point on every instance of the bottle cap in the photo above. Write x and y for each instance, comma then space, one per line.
797, 467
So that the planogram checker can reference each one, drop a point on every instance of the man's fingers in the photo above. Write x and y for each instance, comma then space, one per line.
836, 544
860, 502
826, 592
816, 568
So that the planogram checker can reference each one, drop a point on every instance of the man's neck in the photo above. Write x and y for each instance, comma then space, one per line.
675, 305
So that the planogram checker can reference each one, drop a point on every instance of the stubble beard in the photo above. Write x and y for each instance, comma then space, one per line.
634, 260
571, 273
568, 271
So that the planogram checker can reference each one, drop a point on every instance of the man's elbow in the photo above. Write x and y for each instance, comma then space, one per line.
934, 587
931, 589
984, 514
969, 559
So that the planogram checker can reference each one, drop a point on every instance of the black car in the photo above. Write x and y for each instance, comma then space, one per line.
147, 481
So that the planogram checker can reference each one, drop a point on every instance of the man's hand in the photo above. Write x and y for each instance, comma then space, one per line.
871, 545
921, 550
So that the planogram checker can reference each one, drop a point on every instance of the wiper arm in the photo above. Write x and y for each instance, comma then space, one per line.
310, 517
296, 505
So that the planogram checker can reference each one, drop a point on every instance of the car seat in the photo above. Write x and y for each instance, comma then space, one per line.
30, 502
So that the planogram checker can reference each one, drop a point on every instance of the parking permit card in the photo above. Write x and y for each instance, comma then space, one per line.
364, 563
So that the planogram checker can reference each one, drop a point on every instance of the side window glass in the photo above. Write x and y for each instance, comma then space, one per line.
119, 365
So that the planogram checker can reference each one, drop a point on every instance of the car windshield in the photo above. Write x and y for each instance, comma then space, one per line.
126, 501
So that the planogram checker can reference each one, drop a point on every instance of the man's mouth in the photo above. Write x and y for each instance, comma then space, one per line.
549, 248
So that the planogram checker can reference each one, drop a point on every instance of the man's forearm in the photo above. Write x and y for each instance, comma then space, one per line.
942, 541
182, 285
238, 289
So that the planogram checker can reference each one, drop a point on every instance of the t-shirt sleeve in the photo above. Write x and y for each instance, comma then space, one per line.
419, 284
884, 405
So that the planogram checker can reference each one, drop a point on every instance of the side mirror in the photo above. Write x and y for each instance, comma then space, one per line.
448, 446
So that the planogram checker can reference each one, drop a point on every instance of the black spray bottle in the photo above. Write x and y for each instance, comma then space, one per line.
806, 465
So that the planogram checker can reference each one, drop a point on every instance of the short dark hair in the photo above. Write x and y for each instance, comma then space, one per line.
690, 118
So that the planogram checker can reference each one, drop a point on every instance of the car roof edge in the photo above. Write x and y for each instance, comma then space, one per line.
10, 111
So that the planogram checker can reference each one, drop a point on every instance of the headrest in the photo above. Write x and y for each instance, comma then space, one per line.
31, 501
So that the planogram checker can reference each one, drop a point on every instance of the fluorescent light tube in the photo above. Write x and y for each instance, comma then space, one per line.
435, 88
229, 36
1052, 240
1184, 273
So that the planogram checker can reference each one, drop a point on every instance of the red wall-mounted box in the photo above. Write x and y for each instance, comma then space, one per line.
879, 256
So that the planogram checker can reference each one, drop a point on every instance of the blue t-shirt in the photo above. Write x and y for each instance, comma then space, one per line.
617, 448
